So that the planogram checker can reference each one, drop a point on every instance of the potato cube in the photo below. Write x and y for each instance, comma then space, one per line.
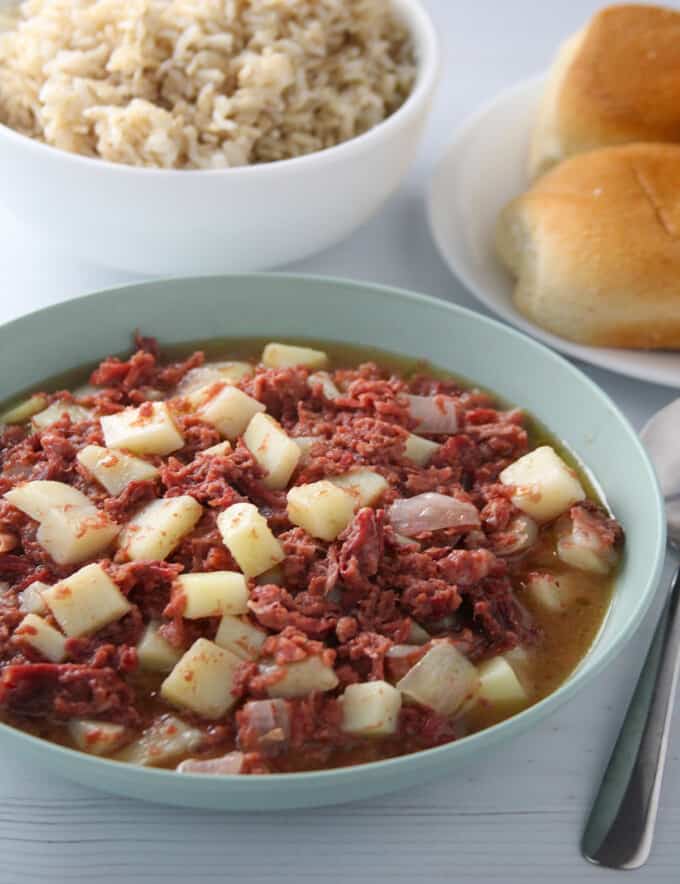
38, 633
148, 429
546, 592
325, 381
499, 684
239, 636
203, 679
71, 536
21, 412
113, 469
36, 499
302, 678
273, 449
321, 508
71, 528
97, 737
365, 485
155, 531
86, 601
226, 408
370, 709
220, 450
213, 593
442, 680
248, 538
211, 373
419, 450
31, 600
154, 653
285, 356
57, 410
164, 741
544, 485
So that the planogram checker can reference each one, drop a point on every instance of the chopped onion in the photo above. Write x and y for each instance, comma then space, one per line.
267, 723
231, 763
520, 535
434, 414
430, 512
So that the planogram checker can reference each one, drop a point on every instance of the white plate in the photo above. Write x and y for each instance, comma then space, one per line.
483, 169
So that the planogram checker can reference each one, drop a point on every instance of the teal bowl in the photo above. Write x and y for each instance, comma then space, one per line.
524, 372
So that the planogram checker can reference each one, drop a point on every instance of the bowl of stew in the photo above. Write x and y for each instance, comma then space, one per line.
272, 541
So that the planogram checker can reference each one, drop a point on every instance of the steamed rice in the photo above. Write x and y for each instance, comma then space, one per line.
201, 83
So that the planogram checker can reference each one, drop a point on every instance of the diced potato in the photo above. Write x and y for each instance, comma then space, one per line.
248, 538
400, 659
302, 678
547, 592
365, 485
273, 449
155, 531
57, 410
202, 680
499, 684
113, 469
544, 485
240, 637
97, 737
38, 633
321, 508
213, 593
86, 601
222, 448
71, 536
370, 709
154, 653
36, 499
31, 600
141, 433
442, 680
20, 413
285, 356
325, 381
167, 739
419, 450
213, 372
226, 408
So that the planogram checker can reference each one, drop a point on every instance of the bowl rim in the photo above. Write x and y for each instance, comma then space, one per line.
428, 62
579, 678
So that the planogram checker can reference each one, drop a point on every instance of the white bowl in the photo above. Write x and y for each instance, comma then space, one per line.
206, 221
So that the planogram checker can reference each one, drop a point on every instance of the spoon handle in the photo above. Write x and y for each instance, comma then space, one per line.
620, 828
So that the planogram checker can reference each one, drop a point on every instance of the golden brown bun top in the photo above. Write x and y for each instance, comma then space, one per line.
624, 82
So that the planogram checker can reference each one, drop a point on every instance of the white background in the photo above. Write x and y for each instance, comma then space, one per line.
513, 817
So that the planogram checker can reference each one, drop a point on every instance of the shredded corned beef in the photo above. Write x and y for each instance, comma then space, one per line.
348, 602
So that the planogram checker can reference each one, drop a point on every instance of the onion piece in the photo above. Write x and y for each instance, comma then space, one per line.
430, 512
520, 535
231, 763
434, 414
264, 726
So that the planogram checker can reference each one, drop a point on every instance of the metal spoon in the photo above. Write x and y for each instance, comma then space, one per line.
620, 828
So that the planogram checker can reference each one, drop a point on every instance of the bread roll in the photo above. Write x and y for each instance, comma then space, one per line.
595, 247
615, 82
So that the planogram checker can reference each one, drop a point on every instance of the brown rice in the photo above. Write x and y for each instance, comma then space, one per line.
201, 83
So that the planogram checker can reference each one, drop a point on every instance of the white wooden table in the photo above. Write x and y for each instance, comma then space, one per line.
513, 817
